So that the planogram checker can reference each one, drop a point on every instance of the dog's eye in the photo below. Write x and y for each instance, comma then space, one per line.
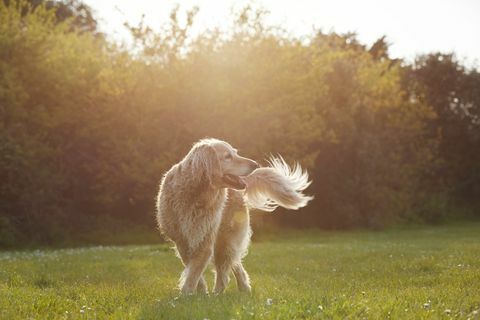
228, 156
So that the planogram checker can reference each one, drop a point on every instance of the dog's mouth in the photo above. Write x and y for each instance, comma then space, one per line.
235, 182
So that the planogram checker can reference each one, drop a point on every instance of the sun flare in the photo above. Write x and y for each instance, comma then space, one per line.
411, 26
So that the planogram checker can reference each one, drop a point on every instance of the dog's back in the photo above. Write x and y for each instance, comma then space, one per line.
166, 220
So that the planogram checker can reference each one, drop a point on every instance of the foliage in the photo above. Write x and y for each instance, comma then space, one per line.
453, 91
414, 273
80, 15
88, 127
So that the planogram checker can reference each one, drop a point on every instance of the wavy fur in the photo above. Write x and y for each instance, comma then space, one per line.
207, 219
277, 185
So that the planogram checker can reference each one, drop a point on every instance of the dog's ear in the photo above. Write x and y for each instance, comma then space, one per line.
204, 164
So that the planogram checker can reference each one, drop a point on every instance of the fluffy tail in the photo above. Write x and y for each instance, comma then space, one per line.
277, 185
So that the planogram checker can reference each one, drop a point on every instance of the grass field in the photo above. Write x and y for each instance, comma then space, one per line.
427, 272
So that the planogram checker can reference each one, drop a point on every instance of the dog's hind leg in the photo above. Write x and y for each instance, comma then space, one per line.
223, 263
243, 280
202, 286
222, 278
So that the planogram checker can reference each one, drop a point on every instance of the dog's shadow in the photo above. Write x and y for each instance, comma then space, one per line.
228, 305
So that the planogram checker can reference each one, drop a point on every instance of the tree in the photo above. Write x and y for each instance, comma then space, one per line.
82, 16
87, 128
453, 91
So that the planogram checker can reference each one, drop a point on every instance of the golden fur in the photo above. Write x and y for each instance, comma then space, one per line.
203, 202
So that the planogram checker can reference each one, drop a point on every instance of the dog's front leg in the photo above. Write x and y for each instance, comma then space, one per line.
195, 268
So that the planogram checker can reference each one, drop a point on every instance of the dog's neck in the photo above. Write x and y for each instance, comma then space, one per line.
202, 193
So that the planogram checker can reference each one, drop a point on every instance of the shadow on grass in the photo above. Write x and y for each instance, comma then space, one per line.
224, 306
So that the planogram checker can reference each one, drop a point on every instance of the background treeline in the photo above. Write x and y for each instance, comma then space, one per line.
87, 127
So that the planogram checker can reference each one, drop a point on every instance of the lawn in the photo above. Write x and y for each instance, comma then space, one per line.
408, 273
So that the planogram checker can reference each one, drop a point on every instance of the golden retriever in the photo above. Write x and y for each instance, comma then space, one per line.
203, 202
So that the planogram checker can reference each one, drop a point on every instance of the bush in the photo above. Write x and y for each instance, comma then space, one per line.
89, 127
7, 233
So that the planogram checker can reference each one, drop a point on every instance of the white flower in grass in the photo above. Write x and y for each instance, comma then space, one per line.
426, 305
320, 307
447, 311
269, 302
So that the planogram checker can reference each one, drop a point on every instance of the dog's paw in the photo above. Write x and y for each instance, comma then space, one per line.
245, 288
188, 290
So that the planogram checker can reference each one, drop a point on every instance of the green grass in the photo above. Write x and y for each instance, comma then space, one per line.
427, 272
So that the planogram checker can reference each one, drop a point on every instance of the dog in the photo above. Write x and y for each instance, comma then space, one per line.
203, 208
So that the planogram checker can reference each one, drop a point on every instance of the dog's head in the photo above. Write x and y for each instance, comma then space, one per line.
217, 163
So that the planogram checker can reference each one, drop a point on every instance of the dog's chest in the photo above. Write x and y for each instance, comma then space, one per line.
207, 203
203, 219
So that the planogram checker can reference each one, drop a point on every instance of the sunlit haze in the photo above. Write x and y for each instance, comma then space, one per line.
411, 27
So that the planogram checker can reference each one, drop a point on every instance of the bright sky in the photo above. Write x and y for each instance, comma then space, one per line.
411, 26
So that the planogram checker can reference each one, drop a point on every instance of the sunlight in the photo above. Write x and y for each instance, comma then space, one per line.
321, 157
411, 27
